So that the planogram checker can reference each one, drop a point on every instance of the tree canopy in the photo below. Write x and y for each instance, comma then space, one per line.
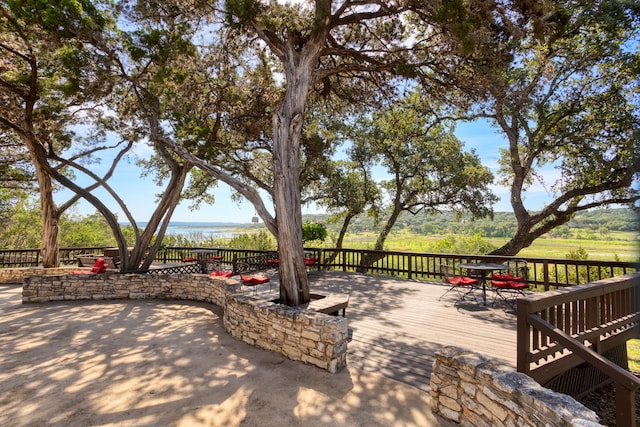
243, 90
429, 171
568, 106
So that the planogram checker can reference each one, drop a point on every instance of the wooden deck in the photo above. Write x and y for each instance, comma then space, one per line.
397, 325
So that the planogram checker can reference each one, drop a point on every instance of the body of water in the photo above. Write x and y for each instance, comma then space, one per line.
203, 231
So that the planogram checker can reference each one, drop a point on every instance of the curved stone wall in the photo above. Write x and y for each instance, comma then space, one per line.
306, 336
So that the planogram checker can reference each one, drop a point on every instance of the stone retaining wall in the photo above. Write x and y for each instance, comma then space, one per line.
469, 389
314, 338
16, 276
306, 336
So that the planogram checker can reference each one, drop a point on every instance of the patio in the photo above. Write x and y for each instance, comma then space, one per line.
123, 363
396, 325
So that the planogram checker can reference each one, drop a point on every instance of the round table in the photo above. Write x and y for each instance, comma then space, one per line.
484, 268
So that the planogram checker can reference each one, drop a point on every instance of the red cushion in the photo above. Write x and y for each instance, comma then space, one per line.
273, 261
215, 258
99, 267
221, 273
518, 285
500, 284
462, 280
94, 270
507, 276
509, 284
188, 259
311, 261
254, 280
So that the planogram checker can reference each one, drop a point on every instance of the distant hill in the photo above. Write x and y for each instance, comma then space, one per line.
503, 224
203, 224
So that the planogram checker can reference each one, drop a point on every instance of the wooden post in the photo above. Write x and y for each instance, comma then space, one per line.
545, 275
523, 343
625, 406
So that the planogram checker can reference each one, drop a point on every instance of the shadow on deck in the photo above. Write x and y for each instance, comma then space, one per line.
397, 325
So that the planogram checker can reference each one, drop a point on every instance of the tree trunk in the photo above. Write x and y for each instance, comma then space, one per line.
49, 212
50, 224
294, 282
161, 215
343, 232
369, 258
287, 128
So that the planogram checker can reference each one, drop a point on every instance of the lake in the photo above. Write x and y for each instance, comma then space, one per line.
202, 231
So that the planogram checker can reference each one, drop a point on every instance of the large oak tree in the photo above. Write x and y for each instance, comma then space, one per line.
326, 46
61, 80
568, 106
46, 75
428, 169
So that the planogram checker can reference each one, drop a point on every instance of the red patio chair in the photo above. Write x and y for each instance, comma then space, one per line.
98, 268
509, 286
254, 281
221, 273
311, 261
463, 285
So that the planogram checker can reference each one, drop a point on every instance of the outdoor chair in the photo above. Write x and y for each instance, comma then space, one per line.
508, 286
463, 285
99, 267
221, 273
254, 281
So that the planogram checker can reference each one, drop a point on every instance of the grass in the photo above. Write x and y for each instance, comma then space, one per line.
633, 351
615, 247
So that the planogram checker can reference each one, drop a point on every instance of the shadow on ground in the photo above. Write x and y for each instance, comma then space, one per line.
133, 363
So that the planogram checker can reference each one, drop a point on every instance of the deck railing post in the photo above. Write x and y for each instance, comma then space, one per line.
545, 275
625, 406
523, 337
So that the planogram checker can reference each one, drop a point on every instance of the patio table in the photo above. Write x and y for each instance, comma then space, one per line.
484, 268
206, 256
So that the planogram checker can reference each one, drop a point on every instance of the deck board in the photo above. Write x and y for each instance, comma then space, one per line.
397, 325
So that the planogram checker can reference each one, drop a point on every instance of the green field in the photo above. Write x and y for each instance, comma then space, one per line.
617, 245
633, 348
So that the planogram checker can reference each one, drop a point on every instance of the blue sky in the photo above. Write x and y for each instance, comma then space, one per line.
139, 193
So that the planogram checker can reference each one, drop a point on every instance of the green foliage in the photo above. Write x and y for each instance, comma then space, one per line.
580, 275
633, 349
430, 170
502, 225
457, 244
313, 231
240, 13
91, 230
579, 253
261, 240
23, 230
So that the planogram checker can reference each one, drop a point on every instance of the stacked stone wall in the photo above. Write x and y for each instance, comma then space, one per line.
310, 337
473, 391
16, 276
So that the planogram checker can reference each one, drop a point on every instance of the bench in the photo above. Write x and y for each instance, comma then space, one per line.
328, 304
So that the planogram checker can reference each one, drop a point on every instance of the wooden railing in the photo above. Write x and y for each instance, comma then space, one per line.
32, 258
544, 274
562, 329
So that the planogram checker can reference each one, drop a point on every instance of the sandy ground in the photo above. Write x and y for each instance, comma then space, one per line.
159, 363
